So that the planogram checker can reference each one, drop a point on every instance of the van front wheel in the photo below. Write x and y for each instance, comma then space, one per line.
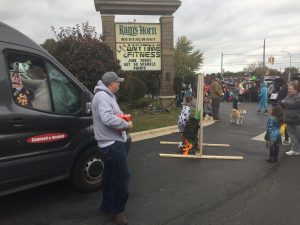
87, 173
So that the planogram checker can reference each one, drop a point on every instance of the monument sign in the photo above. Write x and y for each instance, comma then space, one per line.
142, 46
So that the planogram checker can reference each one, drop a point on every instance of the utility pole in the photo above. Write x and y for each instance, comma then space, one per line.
222, 66
290, 55
289, 78
264, 55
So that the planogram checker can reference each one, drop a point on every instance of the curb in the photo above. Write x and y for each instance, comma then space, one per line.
142, 135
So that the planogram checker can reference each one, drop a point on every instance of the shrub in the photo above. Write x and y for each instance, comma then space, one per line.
133, 89
142, 102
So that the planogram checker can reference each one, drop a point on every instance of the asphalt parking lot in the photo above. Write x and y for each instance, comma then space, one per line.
172, 191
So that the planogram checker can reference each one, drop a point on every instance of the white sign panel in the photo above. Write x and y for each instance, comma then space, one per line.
138, 46
139, 56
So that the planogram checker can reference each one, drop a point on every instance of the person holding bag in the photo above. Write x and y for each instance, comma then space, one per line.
291, 104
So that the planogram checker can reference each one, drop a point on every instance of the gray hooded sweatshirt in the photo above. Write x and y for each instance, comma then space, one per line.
292, 109
108, 126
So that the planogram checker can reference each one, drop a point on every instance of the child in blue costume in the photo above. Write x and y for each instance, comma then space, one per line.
273, 136
263, 96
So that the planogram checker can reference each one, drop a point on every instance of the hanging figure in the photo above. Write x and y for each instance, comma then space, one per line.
188, 127
22, 95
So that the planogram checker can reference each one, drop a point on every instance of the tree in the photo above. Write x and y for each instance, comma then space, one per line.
272, 72
49, 45
187, 60
293, 70
251, 67
82, 51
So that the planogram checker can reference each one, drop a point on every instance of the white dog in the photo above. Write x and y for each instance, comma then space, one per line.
237, 116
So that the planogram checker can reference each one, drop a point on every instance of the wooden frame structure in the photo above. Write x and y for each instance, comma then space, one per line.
199, 153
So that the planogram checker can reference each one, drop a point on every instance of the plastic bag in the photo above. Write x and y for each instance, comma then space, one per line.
282, 129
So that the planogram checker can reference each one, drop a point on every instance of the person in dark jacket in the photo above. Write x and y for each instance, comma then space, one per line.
216, 93
282, 93
291, 104
236, 93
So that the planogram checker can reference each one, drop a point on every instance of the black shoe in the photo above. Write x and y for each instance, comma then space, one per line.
120, 219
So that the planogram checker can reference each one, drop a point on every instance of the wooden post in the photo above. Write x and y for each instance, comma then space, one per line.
199, 154
200, 157
203, 144
199, 108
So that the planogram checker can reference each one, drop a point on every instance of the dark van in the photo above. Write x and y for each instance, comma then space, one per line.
46, 130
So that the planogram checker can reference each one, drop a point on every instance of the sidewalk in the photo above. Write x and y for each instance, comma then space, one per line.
142, 135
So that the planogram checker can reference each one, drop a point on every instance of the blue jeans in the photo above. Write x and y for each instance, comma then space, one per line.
116, 177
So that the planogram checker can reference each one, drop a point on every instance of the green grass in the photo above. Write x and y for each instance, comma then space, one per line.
143, 120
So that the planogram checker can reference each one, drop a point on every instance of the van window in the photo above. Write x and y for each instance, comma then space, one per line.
65, 95
29, 81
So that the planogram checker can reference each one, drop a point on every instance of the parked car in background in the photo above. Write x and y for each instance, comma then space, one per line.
295, 76
273, 85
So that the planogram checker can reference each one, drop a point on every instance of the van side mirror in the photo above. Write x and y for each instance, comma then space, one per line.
88, 107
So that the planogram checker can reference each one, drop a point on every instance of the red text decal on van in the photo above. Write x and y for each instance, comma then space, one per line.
45, 138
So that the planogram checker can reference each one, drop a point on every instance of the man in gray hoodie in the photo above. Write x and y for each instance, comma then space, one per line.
110, 134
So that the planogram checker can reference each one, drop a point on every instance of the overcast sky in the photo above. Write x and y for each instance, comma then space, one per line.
236, 28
